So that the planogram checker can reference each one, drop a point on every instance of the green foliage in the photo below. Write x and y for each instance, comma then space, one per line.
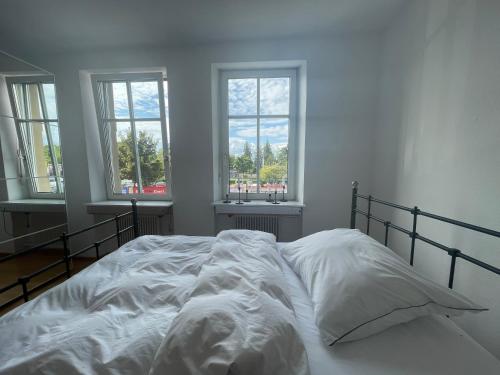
274, 165
151, 159
247, 152
57, 154
282, 157
273, 173
268, 155
232, 162
243, 163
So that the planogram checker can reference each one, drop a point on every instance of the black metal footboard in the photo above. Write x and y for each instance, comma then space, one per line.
68, 255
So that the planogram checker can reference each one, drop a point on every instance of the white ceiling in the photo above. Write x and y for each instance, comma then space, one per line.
9, 65
34, 26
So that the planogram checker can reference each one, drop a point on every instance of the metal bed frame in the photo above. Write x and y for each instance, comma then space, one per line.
67, 254
413, 234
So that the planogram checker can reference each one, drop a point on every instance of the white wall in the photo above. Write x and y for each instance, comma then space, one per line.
9, 162
342, 85
12, 189
438, 141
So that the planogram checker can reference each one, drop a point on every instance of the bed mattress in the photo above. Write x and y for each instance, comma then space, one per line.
429, 345
129, 337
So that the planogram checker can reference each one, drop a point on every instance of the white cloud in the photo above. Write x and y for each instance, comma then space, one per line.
278, 146
242, 123
274, 131
120, 100
144, 97
247, 132
274, 96
236, 146
242, 96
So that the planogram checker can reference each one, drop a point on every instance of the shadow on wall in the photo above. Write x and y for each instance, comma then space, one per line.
438, 142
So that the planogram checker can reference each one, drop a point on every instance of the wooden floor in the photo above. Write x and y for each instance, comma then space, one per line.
26, 264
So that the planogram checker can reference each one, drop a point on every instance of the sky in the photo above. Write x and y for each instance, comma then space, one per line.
144, 99
50, 99
242, 101
146, 105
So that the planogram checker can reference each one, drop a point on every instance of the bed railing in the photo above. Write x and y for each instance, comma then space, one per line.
413, 234
68, 255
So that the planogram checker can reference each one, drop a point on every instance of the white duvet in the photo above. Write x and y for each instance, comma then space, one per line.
163, 305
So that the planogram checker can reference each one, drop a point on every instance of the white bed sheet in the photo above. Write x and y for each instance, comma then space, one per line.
429, 345
425, 346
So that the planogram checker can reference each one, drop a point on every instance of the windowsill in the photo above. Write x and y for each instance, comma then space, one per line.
34, 205
157, 208
259, 207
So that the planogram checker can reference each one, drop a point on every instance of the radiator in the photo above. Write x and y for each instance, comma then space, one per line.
267, 223
148, 224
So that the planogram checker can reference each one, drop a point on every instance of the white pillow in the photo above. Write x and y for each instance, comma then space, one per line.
359, 287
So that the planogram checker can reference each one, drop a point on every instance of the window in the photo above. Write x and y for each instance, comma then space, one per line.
33, 102
133, 121
258, 132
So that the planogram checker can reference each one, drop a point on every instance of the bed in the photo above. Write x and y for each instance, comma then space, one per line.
122, 315
428, 345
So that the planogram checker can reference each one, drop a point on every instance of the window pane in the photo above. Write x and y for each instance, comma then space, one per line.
274, 96
243, 154
49, 94
242, 96
145, 99
274, 150
56, 147
37, 149
122, 158
34, 106
17, 89
150, 147
165, 95
27, 101
117, 100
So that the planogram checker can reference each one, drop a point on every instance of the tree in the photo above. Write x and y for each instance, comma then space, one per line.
150, 158
268, 155
243, 163
275, 172
57, 153
232, 162
246, 150
282, 157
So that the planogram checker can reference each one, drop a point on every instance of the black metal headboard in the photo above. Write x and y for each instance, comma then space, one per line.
413, 234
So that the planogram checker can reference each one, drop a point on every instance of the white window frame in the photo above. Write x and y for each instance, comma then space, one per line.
224, 76
26, 156
105, 141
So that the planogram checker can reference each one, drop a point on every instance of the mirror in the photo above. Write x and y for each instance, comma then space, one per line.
32, 203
